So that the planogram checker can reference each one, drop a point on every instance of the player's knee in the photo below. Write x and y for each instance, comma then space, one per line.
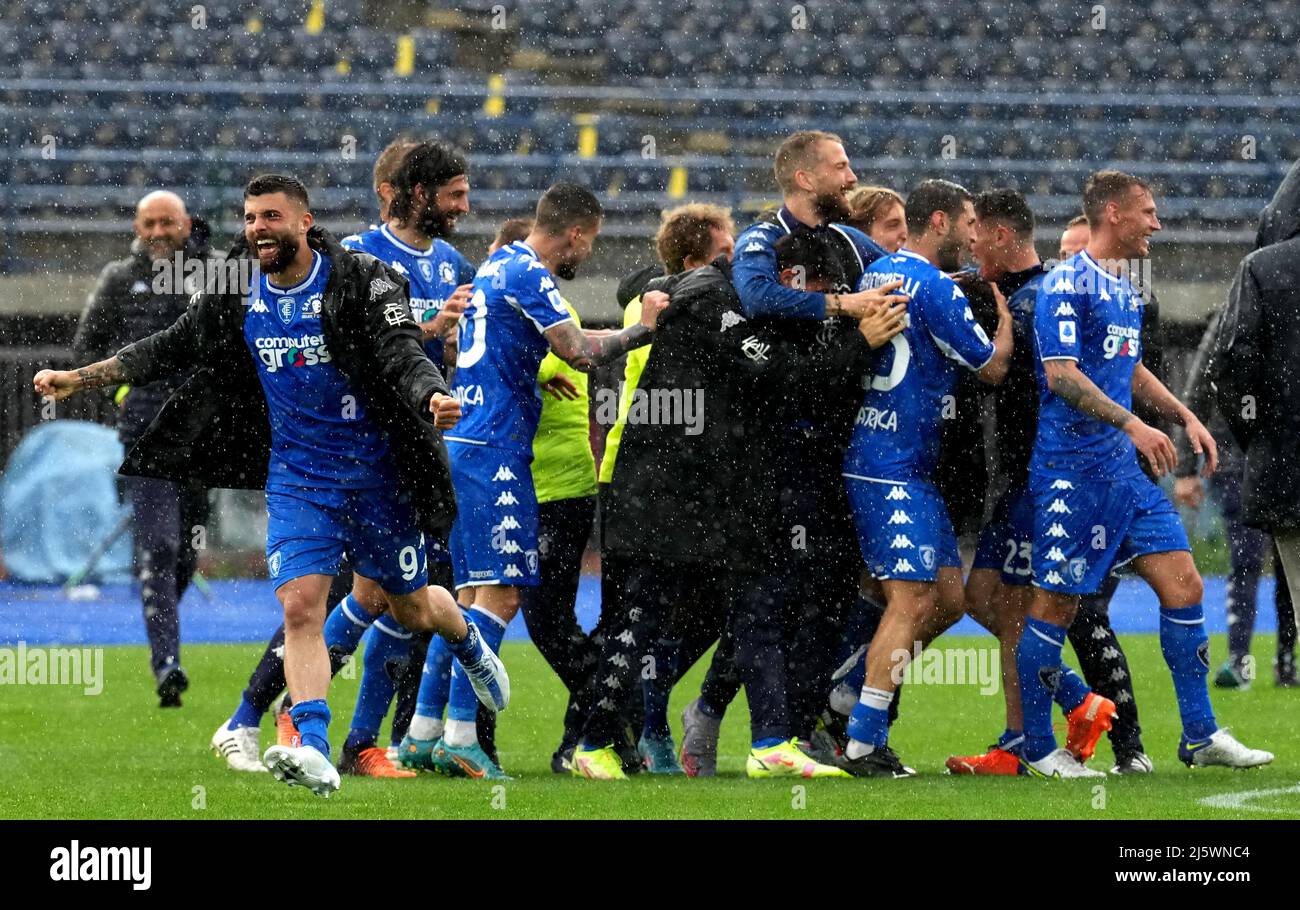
301, 612
369, 596
1184, 589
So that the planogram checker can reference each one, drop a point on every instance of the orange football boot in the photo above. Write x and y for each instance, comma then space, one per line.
1087, 722
372, 762
995, 761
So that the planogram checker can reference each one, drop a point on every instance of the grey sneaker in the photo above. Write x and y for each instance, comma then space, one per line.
699, 754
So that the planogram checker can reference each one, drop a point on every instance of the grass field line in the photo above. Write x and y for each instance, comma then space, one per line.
1244, 800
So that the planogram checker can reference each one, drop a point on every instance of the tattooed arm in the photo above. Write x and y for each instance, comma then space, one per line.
59, 384
1066, 380
586, 353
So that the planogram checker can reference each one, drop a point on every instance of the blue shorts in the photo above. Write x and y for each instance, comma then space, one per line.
1007, 542
1084, 529
309, 531
903, 528
494, 539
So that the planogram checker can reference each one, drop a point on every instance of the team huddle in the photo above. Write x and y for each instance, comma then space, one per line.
421, 427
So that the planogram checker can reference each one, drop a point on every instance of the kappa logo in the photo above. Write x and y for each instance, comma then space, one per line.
512, 571
1065, 309
1054, 578
1062, 485
1058, 507
509, 523
1064, 283
900, 518
397, 267
511, 547
504, 473
612, 681
507, 499
1055, 554
904, 565
754, 248
730, 319
627, 638
1078, 568
258, 306
1056, 530
901, 542
927, 557
618, 660
897, 493
379, 287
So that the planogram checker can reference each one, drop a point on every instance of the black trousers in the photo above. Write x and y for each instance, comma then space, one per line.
164, 521
1105, 666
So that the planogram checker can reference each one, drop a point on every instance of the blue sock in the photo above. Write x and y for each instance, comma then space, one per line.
245, 716
345, 625
1038, 663
435, 681
463, 704
1186, 648
312, 718
767, 743
869, 721
387, 641
1011, 741
1071, 690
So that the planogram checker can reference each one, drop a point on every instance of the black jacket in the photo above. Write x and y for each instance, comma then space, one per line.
122, 308
216, 430
683, 497
1254, 365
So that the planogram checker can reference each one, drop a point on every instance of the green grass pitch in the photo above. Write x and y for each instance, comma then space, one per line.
67, 755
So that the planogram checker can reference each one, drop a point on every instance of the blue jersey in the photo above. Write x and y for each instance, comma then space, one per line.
896, 433
1094, 318
432, 274
321, 436
757, 279
501, 348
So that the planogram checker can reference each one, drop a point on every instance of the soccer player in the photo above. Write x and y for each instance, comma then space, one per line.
433, 192
1074, 238
515, 315
1094, 509
903, 526
316, 384
997, 591
815, 177
879, 213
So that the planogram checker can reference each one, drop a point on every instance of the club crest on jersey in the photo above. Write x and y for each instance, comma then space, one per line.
284, 308
1078, 568
447, 273
530, 557
273, 564
426, 269
927, 557
311, 307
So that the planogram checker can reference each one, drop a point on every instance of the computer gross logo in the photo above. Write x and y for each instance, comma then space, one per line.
278, 353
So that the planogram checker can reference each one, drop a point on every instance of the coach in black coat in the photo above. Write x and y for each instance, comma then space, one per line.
216, 430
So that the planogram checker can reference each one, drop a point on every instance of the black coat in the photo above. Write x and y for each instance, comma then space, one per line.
684, 496
122, 308
1254, 365
215, 430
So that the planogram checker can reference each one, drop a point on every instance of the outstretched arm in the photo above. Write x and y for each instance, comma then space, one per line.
59, 384
1149, 390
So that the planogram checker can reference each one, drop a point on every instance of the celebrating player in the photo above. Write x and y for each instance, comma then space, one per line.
315, 384
1094, 509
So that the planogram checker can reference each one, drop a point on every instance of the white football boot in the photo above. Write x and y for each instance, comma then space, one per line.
240, 747
302, 766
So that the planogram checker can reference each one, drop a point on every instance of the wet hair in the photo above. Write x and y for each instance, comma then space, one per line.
1107, 186
979, 294
867, 203
932, 196
264, 184
1009, 207
513, 229
564, 205
429, 164
797, 153
390, 159
811, 251
686, 232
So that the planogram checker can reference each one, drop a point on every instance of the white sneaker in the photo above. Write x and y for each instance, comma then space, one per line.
1137, 763
490, 681
1222, 748
240, 747
302, 766
1061, 764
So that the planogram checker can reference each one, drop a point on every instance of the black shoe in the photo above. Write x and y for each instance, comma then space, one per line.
830, 737
628, 753
170, 686
562, 760
1284, 671
882, 762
